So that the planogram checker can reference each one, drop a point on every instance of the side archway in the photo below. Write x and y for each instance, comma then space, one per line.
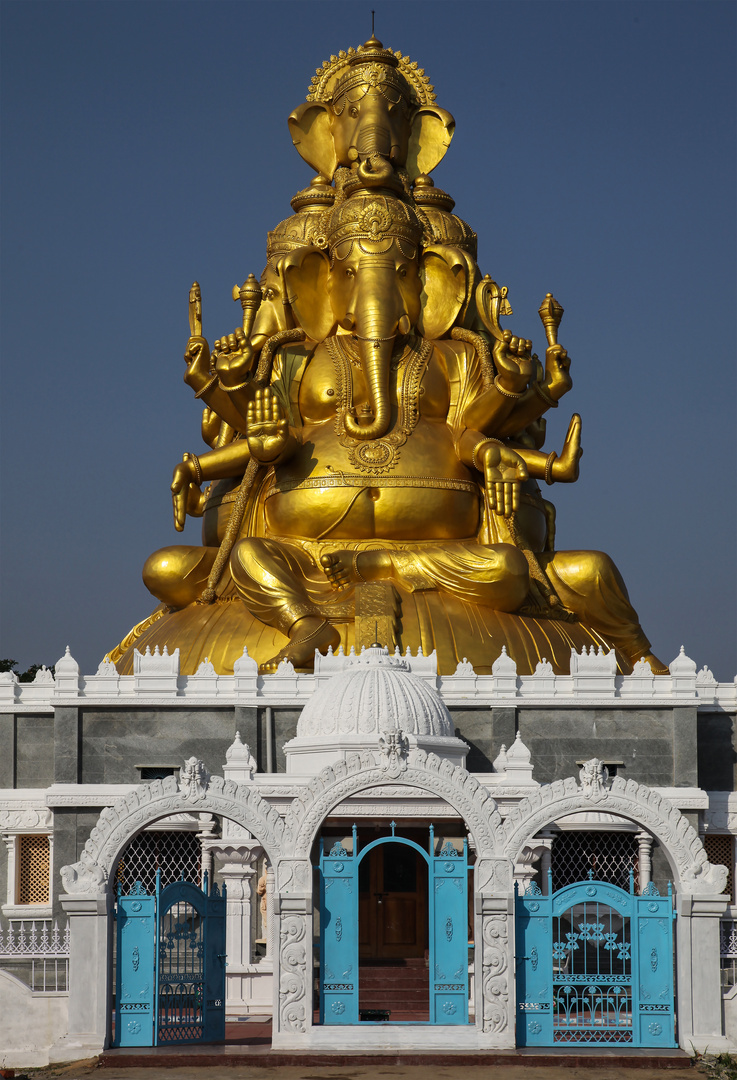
88, 883
638, 803
119, 823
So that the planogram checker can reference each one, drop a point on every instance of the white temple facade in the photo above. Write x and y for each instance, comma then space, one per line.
520, 789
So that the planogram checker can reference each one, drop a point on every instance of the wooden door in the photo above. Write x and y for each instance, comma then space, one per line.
392, 903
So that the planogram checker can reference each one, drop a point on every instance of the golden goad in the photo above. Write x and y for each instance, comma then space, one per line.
375, 435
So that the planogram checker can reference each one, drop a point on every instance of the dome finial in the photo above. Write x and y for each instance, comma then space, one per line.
376, 644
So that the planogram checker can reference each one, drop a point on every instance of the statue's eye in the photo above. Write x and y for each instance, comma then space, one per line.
353, 111
268, 294
402, 271
350, 272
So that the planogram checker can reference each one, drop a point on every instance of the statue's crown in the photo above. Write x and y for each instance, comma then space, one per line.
378, 219
371, 64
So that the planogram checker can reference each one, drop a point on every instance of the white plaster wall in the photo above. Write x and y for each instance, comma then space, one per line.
729, 1007
29, 1023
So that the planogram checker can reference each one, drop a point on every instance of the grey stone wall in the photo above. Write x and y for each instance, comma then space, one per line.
485, 730
114, 741
34, 751
71, 832
657, 746
717, 756
7, 750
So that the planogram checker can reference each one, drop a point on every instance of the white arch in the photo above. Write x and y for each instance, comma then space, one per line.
427, 772
692, 870
119, 823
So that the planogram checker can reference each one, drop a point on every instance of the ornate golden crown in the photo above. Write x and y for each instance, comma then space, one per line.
374, 218
399, 72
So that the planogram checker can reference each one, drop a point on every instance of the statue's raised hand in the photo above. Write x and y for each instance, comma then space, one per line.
267, 430
504, 470
197, 359
186, 495
234, 358
514, 363
557, 375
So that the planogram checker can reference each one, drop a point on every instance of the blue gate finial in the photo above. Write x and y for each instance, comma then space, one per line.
591, 875
393, 826
354, 831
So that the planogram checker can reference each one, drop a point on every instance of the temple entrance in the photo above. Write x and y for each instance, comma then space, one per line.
394, 936
392, 904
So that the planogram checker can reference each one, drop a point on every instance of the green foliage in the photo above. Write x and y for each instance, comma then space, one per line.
23, 676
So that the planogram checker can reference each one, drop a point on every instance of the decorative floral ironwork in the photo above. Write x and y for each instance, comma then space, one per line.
338, 929
449, 1007
655, 1029
449, 928
337, 851
338, 1007
534, 1027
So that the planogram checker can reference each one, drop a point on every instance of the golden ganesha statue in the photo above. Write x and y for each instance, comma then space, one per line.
375, 436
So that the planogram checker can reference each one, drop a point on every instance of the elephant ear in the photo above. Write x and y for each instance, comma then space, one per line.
309, 126
447, 276
305, 273
432, 130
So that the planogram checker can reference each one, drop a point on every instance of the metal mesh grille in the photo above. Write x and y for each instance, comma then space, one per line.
720, 851
608, 855
175, 852
33, 874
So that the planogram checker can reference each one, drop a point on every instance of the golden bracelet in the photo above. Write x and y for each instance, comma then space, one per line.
544, 395
552, 458
194, 461
206, 387
479, 444
507, 393
232, 389
356, 571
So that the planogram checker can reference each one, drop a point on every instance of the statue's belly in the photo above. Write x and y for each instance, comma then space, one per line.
426, 495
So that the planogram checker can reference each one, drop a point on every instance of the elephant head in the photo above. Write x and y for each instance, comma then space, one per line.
373, 111
375, 284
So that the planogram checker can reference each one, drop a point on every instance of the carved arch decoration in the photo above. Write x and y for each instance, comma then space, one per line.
429, 773
119, 823
636, 802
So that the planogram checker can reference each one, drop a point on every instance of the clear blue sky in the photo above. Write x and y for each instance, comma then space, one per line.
146, 145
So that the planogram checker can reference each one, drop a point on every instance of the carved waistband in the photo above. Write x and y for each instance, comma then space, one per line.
353, 480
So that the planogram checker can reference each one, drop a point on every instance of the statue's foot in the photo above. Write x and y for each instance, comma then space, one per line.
344, 569
306, 635
565, 468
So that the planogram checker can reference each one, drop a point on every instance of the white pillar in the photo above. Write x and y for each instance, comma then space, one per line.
699, 993
644, 859
90, 957
546, 860
270, 889
237, 861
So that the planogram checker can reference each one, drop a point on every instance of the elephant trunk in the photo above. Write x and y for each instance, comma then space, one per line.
376, 171
376, 358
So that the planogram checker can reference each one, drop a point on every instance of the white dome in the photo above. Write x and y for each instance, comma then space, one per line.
375, 692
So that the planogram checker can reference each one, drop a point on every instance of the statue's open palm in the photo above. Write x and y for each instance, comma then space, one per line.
267, 429
504, 471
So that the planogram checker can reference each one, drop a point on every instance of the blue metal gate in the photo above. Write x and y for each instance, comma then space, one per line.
448, 922
595, 965
170, 979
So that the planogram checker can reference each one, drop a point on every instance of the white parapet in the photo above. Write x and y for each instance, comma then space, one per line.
156, 679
